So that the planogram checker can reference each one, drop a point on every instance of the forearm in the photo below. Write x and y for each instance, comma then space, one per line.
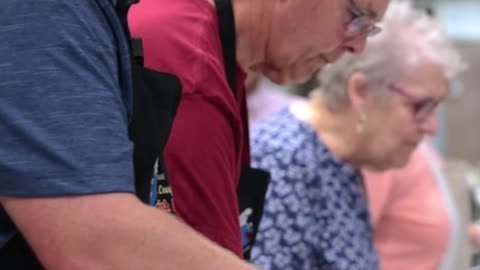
160, 240
120, 233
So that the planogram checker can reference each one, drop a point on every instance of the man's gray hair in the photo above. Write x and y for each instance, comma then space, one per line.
408, 33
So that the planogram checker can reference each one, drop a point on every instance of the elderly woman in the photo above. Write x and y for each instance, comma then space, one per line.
371, 112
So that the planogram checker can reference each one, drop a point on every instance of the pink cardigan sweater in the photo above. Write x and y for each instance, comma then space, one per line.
409, 214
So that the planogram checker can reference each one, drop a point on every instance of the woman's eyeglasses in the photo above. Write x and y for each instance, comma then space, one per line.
421, 108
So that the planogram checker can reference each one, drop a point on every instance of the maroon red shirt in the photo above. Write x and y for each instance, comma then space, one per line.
208, 144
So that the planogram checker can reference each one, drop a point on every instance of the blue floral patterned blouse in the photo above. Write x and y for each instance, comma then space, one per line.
315, 215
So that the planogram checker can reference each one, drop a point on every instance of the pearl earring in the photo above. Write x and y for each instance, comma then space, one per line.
361, 122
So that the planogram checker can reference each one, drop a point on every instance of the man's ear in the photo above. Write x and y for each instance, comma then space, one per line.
358, 91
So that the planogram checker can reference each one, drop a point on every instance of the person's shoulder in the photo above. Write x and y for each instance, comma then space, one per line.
282, 124
281, 140
181, 37
42, 24
170, 24
286, 135
169, 12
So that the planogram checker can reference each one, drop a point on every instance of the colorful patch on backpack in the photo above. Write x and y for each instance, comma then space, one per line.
161, 195
246, 229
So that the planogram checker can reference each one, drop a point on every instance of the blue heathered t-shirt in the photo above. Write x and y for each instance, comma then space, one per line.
65, 98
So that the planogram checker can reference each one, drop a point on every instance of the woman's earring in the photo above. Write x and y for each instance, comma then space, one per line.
361, 122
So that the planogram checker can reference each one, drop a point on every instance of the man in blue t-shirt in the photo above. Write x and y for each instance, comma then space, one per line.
66, 179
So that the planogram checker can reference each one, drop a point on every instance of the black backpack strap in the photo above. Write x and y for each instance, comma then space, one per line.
17, 254
155, 102
135, 44
253, 183
156, 97
226, 23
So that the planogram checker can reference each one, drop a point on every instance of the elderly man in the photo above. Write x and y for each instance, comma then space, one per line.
285, 40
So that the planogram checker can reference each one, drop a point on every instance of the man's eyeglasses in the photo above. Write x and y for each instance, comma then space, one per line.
362, 23
421, 108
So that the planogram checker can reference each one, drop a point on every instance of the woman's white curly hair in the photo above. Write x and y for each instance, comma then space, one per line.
407, 33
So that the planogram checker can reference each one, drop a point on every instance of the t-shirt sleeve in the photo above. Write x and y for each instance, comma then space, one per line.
63, 122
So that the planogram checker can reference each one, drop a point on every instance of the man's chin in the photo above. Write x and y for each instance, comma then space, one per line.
306, 76
277, 78
284, 79
303, 79
279, 81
